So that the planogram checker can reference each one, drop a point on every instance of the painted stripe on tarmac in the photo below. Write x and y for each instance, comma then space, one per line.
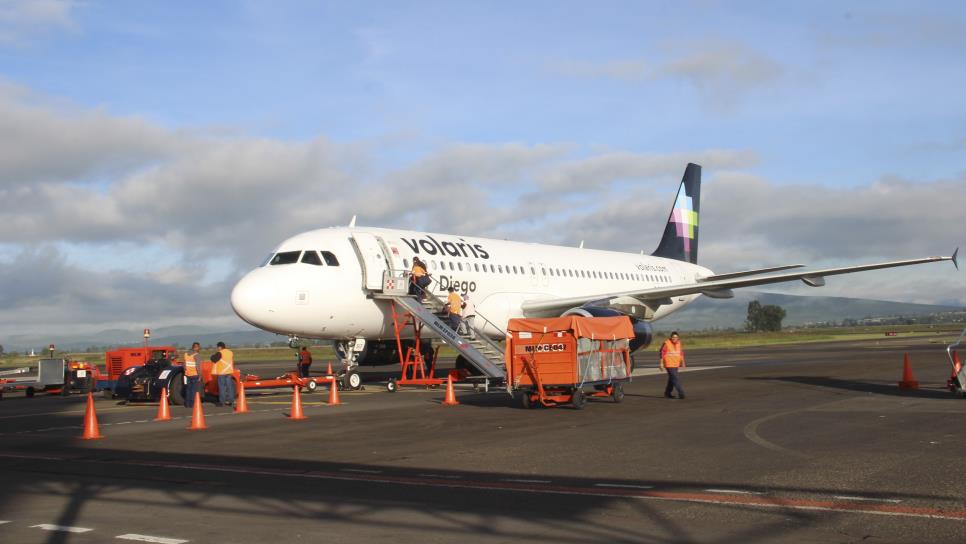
733, 492
3, 522
149, 538
655, 371
625, 486
523, 481
870, 499
61, 528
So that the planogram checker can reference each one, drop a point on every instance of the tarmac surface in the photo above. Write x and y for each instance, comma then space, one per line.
806, 443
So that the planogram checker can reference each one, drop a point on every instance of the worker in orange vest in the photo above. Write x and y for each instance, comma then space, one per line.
419, 278
672, 358
454, 306
192, 376
224, 370
305, 361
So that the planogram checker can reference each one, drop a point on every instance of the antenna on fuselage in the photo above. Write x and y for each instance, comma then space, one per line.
352, 222
581, 244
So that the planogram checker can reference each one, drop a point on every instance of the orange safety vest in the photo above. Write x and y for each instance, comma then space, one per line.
455, 303
672, 355
227, 363
190, 365
418, 271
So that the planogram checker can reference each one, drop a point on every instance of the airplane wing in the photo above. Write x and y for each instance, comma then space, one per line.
719, 286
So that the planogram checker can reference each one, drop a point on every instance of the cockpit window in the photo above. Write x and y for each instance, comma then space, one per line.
311, 257
286, 257
330, 258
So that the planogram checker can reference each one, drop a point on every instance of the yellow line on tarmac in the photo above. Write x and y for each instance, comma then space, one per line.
99, 410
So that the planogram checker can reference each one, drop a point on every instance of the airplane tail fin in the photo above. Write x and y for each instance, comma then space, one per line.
680, 241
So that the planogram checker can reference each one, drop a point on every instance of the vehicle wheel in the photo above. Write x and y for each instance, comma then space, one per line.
311, 386
29, 392
618, 392
176, 390
526, 401
391, 386
577, 399
353, 380
107, 394
65, 391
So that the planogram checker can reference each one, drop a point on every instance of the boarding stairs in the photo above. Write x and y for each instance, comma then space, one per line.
480, 351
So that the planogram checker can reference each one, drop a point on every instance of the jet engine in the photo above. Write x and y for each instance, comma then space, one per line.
643, 333
384, 352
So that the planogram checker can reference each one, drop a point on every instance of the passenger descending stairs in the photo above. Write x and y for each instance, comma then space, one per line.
485, 354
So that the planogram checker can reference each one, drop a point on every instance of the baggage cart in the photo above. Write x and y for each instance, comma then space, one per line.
564, 360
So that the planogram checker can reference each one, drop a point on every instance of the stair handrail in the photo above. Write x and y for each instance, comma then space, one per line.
442, 304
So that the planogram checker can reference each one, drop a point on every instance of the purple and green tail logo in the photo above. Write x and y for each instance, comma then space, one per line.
685, 220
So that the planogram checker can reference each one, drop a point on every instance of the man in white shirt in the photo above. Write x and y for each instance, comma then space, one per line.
469, 313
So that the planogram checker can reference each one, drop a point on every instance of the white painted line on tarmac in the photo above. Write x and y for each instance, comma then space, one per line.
141, 421
149, 538
361, 470
3, 521
61, 528
625, 486
733, 491
524, 481
871, 499
655, 371
444, 476
123, 423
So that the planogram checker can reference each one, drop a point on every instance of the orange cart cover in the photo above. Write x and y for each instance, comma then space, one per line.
598, 328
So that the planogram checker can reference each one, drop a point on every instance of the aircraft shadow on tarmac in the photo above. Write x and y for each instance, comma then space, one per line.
859, 386
69, 478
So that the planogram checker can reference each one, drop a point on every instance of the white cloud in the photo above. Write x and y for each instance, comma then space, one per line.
722, 73
20, 19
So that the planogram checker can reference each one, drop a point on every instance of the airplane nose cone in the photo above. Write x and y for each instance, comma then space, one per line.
252, 299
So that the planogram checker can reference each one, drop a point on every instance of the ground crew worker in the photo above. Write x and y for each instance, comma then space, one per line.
224, 369
454, 304
672, 358
469, 313
305, 361
192, 376
420, 278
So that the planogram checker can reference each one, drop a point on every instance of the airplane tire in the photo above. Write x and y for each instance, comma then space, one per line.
352, 380
311, 386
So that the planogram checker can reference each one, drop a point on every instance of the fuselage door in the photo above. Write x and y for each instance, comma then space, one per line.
373, 257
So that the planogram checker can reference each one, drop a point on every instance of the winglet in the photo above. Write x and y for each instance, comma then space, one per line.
352, 222
953, 258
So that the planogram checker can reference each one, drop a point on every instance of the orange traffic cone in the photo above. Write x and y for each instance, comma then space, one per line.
296, 411
908, 380
450, 399
957, 366
164, 412
92, 430
329, 371
197, 415
241, 407
333, 393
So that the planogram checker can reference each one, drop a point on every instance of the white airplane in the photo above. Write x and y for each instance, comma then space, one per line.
324, 283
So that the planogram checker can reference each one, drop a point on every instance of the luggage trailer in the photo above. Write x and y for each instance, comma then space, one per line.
551, 361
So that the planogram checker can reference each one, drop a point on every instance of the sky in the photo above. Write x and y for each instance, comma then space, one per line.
153, 152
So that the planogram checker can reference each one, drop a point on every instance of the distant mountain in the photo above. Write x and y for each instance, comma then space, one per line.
706, 313
182, 335
703, 314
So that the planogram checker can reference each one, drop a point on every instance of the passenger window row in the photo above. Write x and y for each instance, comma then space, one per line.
546, 271
308, 257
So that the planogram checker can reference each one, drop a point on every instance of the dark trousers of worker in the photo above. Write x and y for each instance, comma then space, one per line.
191, 386
304, 370
673, 382
454, 321
226, 388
